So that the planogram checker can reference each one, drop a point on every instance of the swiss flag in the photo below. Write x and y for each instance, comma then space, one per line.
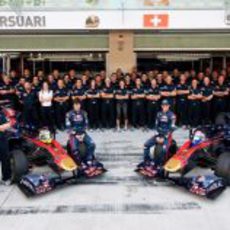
156, 20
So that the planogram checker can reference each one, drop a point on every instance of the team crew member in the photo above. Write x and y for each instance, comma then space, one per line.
122, 96
61, 97
107, 95
79, 93
20, 86
153, 97
52, 82
207, 96
165, 123
7, 91
138, 109
45, 98
14, 77
77, 122
93, 107
28, 99
4, 149
194, 99
68, 83
182, 101
168, 91
36, 84
19, 89
220, 96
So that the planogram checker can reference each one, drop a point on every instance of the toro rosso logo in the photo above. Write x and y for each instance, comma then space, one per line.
164, 118
78, 118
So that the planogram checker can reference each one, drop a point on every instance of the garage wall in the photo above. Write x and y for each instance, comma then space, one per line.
181, 41
54, 43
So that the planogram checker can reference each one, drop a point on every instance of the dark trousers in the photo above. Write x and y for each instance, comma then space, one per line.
93, 114
152, 109
219, 105
206, 112
182, 112
138, 113
194, 113
47, 117
5, 158
30, 116
74, 145
107, 112
60, 113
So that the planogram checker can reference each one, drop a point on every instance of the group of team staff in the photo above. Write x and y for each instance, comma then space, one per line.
121, 100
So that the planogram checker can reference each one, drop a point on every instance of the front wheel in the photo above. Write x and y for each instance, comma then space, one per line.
19, 165
223, 167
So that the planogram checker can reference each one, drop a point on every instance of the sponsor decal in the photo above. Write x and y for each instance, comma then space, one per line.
156, 20
156, 2
92, 21
22, 22
227, 18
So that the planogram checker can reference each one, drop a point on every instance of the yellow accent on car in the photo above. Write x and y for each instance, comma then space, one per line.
173, 166
68, 164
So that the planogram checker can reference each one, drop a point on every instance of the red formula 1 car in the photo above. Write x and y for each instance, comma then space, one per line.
29, 148
203, 149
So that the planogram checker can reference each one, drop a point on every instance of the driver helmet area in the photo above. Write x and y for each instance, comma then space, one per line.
198, 138
45, 136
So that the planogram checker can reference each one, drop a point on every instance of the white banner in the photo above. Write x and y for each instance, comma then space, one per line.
111, 20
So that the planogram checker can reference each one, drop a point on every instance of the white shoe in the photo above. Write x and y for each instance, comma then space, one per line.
6, 182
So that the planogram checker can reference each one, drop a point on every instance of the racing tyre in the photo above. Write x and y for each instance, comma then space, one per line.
223, 167
19, 165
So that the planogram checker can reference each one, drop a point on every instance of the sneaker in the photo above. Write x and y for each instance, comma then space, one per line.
6, 182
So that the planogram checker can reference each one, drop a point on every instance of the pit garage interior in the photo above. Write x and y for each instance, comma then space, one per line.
108, 50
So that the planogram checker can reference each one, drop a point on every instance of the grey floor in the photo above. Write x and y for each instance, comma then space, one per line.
119, 200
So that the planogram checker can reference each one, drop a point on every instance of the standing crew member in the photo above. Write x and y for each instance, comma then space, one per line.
194, 99
7, 91
138, 109
4, 149
61, 97
220, 96
168, 91
28, 98
182, 101
93, 108
153, 97
79, 93
207, 93
46, 98
122, 96
107, 95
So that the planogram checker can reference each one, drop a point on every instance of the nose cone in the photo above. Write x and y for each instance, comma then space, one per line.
173, 166
68, 164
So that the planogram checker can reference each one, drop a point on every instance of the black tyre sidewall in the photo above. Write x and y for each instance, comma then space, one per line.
19, 165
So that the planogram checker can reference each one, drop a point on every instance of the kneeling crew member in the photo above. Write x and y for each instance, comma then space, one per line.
77, 121
165, 123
